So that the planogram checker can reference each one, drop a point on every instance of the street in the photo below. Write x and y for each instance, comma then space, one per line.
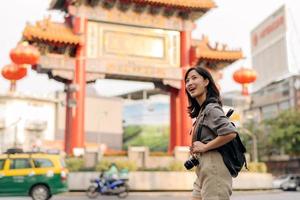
255, 195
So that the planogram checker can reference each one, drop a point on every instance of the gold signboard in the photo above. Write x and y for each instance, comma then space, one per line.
143, 46
118, 43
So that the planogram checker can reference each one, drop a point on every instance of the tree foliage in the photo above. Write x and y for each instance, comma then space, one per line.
284, 132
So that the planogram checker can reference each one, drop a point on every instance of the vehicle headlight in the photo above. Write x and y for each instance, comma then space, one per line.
292, 185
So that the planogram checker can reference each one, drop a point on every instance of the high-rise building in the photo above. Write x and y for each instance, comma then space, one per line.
275, 44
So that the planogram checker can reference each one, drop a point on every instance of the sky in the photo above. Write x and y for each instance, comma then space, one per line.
230, 23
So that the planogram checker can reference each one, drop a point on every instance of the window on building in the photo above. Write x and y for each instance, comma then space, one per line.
22, 163
286, 85
269, 111
284, 105
271, 90
2, 161
260, 92
42, 163
285, 92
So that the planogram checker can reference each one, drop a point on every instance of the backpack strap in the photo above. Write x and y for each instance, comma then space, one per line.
199, 131
198, 138
228, 114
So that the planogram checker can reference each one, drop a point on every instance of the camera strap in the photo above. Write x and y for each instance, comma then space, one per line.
199, 130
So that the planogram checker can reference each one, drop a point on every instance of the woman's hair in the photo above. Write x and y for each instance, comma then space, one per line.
212, 95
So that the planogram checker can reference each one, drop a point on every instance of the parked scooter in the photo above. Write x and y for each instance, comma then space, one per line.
105, 186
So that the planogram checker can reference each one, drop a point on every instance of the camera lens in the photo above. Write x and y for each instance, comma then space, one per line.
190, 163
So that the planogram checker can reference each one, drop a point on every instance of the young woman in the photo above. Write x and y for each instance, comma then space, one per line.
211, 130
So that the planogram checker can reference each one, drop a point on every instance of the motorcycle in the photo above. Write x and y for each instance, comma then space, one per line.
105, 186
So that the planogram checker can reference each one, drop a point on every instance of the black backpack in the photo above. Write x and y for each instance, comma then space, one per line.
233, 153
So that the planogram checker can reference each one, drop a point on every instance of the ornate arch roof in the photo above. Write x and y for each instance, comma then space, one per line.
188, 4
202, 51
49, 31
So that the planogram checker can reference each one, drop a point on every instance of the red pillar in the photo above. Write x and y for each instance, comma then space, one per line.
77, 139
180, 122
175, 120
68, 124
185, 42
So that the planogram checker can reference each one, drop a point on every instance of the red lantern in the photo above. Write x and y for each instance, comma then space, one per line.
25, 54
14, 72
245, 76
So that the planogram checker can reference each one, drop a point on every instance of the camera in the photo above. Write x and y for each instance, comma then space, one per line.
191, 162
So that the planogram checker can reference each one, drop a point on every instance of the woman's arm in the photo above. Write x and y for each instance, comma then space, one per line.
199, 147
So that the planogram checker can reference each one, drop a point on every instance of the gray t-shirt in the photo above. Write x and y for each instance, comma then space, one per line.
213, 122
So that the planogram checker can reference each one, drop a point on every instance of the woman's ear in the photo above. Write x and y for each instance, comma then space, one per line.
206, 82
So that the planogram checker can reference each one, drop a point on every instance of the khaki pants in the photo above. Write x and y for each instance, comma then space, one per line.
214, 181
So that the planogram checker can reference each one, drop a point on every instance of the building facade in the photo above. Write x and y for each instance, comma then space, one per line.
276, 97
103, 119
26, 121
34, 122
274, 47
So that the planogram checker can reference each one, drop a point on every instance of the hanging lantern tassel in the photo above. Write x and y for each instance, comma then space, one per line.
245, 91
13, 86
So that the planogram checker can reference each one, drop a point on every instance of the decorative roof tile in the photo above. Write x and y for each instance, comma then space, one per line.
51, 32
188, 4
202, 50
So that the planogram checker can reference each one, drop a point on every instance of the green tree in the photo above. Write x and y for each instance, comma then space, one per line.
284, 132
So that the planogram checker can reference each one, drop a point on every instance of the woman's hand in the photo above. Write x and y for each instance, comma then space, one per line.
198, 147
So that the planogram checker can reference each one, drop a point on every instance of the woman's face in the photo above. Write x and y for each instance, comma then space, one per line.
195, 84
